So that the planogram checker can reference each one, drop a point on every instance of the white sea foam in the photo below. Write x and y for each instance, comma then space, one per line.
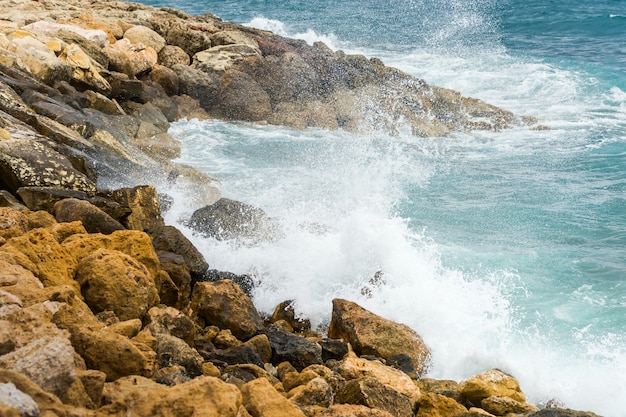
279, 28
337, 198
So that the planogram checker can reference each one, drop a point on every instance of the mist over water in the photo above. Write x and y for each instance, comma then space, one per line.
501, 249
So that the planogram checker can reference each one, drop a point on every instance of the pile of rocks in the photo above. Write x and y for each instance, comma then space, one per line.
120, 321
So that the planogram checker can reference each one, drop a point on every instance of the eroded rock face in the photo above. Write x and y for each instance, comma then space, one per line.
370, 334
112, 280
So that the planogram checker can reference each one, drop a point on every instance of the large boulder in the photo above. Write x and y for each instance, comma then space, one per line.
492, 383
170, 239
230, 219
112, 280
240, 97
145, 209
370, 334
224, 304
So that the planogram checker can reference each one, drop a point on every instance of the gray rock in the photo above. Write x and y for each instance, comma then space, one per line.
94, 220
48, 361
13, 397
296, 350
172, 351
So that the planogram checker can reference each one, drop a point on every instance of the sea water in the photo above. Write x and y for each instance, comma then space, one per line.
503, 250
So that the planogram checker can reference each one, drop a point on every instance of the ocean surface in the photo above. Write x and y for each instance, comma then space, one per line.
502, 250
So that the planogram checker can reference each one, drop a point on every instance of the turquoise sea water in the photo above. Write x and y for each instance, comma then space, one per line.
502, 249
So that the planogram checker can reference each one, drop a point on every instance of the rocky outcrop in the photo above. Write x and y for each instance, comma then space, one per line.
370, 334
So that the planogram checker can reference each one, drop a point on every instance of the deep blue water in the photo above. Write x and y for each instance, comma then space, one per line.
503, 250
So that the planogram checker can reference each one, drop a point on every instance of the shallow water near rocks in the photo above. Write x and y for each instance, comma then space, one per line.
501, 249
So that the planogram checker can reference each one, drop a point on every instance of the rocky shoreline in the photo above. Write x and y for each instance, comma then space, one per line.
107, 311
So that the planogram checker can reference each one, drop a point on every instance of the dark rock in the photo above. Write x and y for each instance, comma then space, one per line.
224, 304
240, 97
44, 198
29, 163
170, 239
296, 350
234, 355
229, 219
285, 311
178, 271
60, 112
94, 220
370, 392
72, 96
8, 200
402, 362
333, 349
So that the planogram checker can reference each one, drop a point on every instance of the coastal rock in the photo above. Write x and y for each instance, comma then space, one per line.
28, 163
178, 272
221, 58
374, 394
171, 55
245, 282
229, 219
12, 223
501, 406
169, 321
351, 410
46, 402
112, 280
40, 60
333, 349
190, 37
14, 403
260, 344
144, 398
166, 78
108, 352
352, 367
172, 351
298, 351
313, 397
235, 355
44, 198
98, 37
93, 384
446, 387
197, 85
143, 35
436, 405
85, 72
225, 305
285, 311
262, 400
492, 383
370, 334
130, 59
48, 361
39, 252
233, 104
145, 210
93, 219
